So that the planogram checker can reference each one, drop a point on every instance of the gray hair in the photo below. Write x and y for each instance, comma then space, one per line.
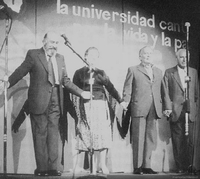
91, 48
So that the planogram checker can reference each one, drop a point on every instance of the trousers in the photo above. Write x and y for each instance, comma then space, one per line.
144, 138
45, 129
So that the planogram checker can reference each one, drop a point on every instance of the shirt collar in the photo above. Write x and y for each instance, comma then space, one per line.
181, 69
147, 66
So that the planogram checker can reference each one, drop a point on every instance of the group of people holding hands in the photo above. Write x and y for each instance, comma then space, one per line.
146, 93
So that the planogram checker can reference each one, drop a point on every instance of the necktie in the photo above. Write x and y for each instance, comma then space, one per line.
51, 77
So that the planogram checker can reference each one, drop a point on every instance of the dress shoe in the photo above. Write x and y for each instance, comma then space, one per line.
138, 171
54, 173
148, 171
197, 172
40, 173
105, 170
180, 171
191, 170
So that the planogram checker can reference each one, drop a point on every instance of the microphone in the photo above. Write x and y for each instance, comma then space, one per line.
187, 24
66, 39
3, 9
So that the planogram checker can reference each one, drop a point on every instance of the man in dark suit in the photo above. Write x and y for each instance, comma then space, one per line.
142, 89
48, 76
176, 79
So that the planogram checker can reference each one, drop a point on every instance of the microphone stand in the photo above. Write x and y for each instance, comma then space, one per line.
187, 80
69, 45
191, 168
91, 150
5, 42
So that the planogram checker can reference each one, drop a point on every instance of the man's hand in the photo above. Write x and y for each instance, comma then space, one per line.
167, 113
124, 105
15, 128
5, 80
86, 95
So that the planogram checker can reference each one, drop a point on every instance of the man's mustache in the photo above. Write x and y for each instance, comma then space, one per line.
52, 48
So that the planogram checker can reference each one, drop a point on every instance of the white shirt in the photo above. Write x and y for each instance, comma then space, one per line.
149, 70
182, 74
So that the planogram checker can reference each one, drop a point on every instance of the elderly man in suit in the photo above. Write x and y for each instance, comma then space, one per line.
142, 89
45, 100
176, 79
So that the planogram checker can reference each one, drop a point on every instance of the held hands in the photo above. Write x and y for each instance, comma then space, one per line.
5, 80
124, 105
15, 128
86, 95
167, 113
187, 79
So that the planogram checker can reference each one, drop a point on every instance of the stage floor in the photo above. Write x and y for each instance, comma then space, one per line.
68, 175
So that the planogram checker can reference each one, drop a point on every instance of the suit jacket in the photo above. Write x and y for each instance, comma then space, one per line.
40, 88
139, 90
175, 91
